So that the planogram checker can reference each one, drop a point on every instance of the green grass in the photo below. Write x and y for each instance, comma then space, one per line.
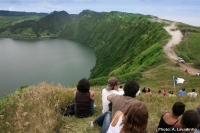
12, 20
34, 109
189, 47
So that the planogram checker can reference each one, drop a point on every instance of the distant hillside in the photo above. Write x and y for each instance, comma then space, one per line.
15, 13
125, 44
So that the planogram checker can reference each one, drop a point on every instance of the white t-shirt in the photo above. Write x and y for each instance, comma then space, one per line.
192, 94
138, 93
105, 93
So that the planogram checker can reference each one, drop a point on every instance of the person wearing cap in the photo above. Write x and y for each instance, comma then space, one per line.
105, 119
112, 88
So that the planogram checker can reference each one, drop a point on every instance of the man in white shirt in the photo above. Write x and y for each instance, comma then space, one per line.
192, 94
112, 88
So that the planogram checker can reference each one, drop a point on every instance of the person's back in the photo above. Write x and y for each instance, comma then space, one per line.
84, 99
168, 119
192, 94
122, 103
83, 104
182, 92
134, 120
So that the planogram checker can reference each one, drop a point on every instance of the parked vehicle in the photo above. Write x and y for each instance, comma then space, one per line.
179, 59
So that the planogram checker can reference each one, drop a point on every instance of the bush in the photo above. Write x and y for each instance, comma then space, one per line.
196, 65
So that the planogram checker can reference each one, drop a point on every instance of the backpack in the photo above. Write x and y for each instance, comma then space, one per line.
68, 110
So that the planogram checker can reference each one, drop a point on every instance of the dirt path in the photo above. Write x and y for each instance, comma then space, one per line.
168, 48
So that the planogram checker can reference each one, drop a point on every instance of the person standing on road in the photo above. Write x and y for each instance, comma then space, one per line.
186, 71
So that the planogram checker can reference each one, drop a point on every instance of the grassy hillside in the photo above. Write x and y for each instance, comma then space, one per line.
34, 109
189, 47
127, 46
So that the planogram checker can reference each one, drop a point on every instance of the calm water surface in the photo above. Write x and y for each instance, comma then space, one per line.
45, 60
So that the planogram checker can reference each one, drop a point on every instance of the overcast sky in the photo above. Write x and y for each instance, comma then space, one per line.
186, 11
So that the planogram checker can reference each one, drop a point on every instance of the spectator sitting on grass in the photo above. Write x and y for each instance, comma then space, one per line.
84, 99
182, 92
171, 94
192, 94
119, 103
168, 119
134, 120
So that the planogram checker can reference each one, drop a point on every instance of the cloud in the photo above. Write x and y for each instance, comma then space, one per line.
11, 8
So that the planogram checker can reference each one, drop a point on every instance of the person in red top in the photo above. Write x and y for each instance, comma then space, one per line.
186, 71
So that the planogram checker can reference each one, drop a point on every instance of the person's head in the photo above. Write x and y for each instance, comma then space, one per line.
164, 92
190, 119
170, 92
135, 118
159, 92
113, 83
193, 90
178, 108
183, 89
83, 85
131, 88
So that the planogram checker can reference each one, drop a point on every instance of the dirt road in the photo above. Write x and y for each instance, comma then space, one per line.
175, 40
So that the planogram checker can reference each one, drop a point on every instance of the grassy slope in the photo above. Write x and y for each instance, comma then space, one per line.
34, 110
189, 48
12, 20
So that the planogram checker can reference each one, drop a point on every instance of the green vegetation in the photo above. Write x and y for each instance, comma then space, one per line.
128, 46
35, 109
189, 47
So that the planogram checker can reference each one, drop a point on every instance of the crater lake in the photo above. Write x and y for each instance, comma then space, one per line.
29, 62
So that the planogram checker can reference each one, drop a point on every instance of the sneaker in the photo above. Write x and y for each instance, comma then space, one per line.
91, 124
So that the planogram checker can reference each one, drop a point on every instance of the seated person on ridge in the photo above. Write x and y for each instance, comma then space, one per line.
112, 88
119, 103
192, 94
148, 92
164, 93
190, 121
170, 119
84, 99
171, 94
182, 92
134, 120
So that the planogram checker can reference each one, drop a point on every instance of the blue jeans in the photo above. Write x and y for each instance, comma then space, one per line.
104, 120
198, 110
91, 106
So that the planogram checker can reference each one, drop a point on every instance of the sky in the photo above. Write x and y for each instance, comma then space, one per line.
186, 11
